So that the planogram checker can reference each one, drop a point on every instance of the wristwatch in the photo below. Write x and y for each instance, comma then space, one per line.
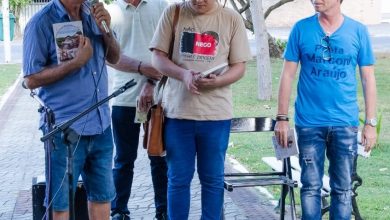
372, 122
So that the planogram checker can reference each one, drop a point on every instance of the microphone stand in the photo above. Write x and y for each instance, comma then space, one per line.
48, 145
64, 126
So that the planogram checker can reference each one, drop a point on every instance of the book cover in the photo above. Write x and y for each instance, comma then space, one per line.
66, 36
284, 152
217, 70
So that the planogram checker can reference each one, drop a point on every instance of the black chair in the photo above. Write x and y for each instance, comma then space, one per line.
284, 178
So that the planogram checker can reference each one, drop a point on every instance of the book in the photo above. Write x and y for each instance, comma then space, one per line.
360, 146
361, 151
217, 70
284, 152
66, 36
140, 116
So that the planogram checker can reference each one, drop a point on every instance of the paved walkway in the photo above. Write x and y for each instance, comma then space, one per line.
22, 158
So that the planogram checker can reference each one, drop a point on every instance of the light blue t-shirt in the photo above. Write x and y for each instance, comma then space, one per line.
327, 89
80, 89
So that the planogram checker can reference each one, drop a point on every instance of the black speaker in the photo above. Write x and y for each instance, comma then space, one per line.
38, 197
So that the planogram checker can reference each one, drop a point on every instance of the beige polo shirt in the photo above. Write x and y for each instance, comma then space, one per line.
134, 28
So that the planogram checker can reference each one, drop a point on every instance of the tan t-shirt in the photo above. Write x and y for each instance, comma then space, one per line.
201, 42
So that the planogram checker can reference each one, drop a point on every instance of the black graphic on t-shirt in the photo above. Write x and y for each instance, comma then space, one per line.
204, 44
335, 67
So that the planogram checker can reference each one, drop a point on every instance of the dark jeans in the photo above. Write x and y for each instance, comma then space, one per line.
126, 134
339, 144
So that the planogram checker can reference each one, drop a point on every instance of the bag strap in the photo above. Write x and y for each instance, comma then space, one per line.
175, 20
164, 79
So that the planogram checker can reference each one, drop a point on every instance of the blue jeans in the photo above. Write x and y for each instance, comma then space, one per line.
340, 145
205, 141
92, 159
126, 134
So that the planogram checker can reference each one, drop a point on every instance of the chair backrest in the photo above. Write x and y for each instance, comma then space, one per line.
252, 124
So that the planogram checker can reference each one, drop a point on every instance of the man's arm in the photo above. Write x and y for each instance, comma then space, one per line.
162, 63
369, 92
112, 47
57, 72
128, 64
101, 14
286, 79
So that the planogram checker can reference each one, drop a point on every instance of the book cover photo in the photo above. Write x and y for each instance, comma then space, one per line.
66, 37
284, 152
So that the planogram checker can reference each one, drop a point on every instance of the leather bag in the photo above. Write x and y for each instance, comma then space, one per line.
153, 138
154, 125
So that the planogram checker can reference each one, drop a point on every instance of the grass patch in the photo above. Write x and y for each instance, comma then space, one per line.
8, 74
250, 148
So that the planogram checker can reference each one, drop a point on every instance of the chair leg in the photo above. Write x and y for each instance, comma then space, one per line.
283, 201
290, 189
355, 209
292, 203
324, 205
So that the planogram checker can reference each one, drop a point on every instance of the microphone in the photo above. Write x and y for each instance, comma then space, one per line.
92, 2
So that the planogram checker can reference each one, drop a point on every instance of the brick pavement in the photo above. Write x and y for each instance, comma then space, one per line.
22, 158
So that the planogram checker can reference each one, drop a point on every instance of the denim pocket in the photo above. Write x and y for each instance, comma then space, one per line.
307, 134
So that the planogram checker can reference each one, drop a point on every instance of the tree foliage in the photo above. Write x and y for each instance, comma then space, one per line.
16, 5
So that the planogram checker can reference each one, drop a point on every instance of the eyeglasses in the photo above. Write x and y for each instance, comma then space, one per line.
325, 43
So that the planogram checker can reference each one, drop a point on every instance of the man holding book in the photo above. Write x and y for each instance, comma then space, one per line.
328, 45
198, 109
69, 87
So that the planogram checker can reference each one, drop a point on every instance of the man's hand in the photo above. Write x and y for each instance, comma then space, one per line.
368, 137
209, 82
84, 52
188, 77
146, 97
281, 132
100, 14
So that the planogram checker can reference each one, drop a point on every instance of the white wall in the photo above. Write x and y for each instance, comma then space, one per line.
385, 6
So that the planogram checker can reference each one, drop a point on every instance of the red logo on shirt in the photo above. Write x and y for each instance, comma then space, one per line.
200, 44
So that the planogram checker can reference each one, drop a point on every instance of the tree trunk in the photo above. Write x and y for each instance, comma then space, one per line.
18, 31
262, 51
